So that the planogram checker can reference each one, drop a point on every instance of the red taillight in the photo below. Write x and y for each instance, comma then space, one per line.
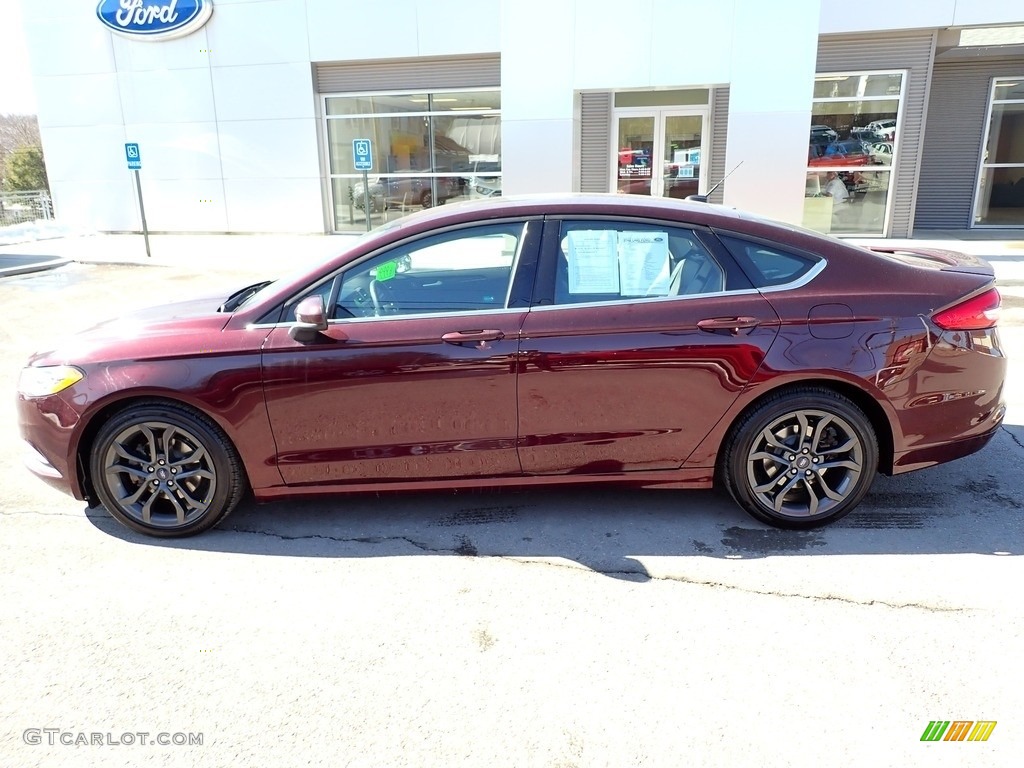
971, 315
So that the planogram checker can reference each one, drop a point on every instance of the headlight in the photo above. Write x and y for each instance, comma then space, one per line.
47, 380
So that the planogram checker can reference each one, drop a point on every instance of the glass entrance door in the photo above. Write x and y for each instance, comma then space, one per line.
660, 152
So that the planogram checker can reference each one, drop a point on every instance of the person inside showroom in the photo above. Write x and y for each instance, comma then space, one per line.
836, 189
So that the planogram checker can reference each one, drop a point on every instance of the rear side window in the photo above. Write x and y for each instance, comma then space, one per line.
768, 266
605, 261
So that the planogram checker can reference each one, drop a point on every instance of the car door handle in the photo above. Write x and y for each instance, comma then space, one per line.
462, 337
731, 324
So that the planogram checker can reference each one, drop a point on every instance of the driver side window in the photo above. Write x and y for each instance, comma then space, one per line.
460, 271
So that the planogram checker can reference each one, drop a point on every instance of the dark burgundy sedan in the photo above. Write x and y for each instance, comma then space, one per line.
534, 341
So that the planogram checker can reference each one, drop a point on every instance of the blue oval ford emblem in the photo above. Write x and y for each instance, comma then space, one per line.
154, 19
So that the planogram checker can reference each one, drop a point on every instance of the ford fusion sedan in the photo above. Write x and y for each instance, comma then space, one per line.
534, 341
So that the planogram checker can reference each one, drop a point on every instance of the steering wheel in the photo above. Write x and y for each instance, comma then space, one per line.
379, 297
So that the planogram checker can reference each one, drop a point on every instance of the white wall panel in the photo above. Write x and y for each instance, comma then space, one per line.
271, 32
33, 10
76, 45
78, 100
688, 45
839, 16
85, 152
190, 52
536, 61
536, 156
274, 205
242, 92
362, 30
184, 205
446, 27
612, 43
97, 204
167, 96
268, 149
537, 54
981, 12
176, 150
770, 108
773, 149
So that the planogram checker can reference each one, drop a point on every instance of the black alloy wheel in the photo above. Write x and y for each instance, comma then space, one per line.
801, 459
165, 470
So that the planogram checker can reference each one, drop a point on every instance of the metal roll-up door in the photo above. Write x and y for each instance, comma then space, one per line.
595, 141
912, 51
719, 132
409, 74
956, 129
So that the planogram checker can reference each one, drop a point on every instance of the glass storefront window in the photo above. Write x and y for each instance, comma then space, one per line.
375, 105
1000, 198
428, 149
858, 86
850, 201
851, 146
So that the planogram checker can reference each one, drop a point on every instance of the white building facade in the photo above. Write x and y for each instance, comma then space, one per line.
246, 117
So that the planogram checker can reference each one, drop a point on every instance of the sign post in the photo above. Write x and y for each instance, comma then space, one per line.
131, 153
362, 158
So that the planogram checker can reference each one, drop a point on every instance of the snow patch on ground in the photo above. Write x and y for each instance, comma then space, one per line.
41, 229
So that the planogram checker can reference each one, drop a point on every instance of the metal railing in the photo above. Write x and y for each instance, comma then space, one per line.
20, 207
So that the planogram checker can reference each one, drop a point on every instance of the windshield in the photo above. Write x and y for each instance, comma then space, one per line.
252, 293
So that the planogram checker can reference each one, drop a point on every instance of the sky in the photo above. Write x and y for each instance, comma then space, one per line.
16, 93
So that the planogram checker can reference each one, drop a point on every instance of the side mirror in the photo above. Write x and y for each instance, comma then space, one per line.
310, 319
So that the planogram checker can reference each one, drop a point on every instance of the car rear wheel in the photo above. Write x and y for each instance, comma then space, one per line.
801, 459
165, 470
426, 198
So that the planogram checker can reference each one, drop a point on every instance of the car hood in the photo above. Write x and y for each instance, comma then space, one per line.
167, 329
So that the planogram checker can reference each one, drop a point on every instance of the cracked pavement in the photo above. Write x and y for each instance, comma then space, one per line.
551, 627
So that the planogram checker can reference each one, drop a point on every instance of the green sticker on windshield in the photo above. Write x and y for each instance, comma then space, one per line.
387, 270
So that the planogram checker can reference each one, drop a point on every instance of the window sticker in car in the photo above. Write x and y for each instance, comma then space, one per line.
386, 271
593, 261
643, 263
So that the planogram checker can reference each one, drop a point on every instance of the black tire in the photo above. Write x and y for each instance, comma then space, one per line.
800, 459
141, 457
426, 198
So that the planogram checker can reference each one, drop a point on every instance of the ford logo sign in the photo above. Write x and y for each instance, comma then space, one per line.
154, 19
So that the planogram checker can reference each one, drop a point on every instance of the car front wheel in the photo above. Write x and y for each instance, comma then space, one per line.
801, 459
164, 470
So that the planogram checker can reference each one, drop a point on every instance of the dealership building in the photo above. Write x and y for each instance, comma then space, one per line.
308, 116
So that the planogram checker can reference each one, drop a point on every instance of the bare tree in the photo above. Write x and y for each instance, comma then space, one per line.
17, 131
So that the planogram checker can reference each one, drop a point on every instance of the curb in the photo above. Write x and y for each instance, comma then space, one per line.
34, 266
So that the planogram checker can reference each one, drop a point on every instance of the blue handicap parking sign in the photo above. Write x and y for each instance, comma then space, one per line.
131, 151
362, 154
